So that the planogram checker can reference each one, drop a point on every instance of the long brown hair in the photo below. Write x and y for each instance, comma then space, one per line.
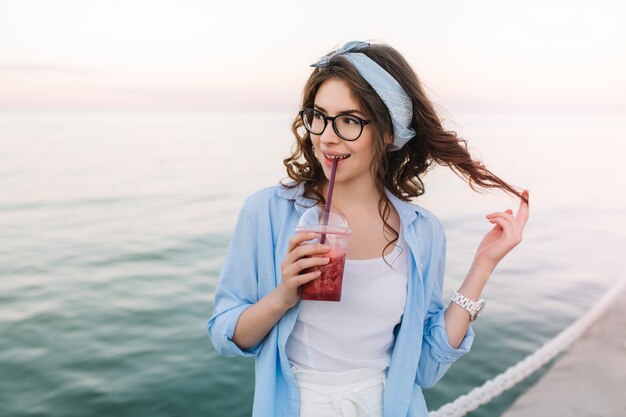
400, 171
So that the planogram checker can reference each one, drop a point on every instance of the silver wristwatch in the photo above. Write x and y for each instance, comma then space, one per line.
473, 307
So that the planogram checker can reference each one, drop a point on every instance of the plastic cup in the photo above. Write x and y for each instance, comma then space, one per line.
326, 287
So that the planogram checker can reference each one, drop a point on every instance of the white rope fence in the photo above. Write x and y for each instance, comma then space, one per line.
494, 387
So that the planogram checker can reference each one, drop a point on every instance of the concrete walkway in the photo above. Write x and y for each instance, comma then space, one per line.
589, 380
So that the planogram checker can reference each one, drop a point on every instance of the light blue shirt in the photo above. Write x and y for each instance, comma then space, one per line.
421, 353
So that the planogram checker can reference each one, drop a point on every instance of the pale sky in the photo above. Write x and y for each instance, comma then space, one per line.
483, 56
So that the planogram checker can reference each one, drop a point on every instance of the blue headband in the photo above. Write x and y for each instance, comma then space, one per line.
388, 89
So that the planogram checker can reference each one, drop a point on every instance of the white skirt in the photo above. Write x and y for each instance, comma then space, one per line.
356, 393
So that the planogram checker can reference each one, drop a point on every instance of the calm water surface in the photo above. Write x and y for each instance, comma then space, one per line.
113, 228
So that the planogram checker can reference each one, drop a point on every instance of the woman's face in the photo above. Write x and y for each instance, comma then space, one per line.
333, 98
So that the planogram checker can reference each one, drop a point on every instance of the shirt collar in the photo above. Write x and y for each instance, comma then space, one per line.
297, 193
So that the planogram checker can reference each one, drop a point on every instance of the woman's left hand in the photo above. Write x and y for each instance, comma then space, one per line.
505, 235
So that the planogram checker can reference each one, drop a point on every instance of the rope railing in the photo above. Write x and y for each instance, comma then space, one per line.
516, 373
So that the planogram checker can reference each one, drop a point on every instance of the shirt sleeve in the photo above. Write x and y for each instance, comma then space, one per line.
237, 285
437, 355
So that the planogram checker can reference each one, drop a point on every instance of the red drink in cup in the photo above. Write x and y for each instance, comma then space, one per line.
326, 287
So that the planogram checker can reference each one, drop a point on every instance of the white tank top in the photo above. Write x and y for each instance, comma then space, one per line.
356, 332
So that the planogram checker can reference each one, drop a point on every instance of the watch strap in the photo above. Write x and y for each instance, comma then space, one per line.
473, 307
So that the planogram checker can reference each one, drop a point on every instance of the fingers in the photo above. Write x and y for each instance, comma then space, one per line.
523, 211
306, 251
309, 276
504, 221
298, 238
507, 215
293, 268
302, 256
510, 230
296, 250
301, 272
305, 263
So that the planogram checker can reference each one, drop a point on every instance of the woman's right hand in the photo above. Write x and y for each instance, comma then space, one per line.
299, 257
256, 321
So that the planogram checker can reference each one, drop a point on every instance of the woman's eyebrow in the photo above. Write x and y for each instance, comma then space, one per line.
343, 112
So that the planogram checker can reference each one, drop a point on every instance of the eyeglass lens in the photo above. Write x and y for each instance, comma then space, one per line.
348, 127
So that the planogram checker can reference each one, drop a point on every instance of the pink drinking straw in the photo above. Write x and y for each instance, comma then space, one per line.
329, 197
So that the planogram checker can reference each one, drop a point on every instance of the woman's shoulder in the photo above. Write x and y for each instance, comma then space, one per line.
424, 212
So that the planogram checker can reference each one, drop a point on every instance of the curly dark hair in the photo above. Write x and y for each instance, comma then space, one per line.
400, 171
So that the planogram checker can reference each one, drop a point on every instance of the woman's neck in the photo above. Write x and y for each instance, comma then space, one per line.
350, 196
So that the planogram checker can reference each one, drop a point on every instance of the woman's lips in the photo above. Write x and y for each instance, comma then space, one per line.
329, 162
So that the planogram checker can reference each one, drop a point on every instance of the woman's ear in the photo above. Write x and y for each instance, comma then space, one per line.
388, 139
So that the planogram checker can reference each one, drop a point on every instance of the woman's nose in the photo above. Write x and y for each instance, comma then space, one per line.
329, 135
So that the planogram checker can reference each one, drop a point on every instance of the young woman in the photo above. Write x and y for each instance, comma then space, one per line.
391, 335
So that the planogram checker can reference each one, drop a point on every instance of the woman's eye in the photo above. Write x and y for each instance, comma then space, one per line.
317, 115
350, 121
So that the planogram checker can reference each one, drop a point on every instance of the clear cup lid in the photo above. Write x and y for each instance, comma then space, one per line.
313, 220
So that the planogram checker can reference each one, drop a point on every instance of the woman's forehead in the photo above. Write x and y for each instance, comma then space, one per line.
335, 95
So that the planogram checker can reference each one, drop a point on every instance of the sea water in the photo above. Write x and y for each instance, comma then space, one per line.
114, 226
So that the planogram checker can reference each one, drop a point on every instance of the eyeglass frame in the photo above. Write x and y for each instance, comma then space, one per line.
326, 118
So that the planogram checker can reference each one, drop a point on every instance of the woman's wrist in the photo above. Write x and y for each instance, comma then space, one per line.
277, 301
477, 278
483, 266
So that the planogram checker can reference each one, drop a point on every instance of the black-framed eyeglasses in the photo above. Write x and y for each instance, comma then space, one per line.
346, 126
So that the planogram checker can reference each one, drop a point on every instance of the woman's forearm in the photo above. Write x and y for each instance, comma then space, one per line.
457, 318
257, 320
505, 235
